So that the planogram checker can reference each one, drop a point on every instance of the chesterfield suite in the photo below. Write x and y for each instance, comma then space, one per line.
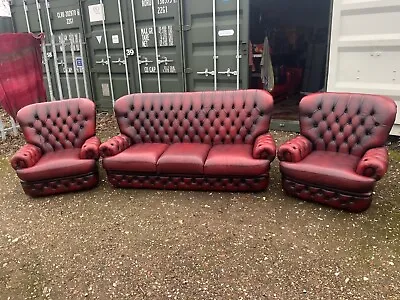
340, 153
210, 141
61, 150
197, 141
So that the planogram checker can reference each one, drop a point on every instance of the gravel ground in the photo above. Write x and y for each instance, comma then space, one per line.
141, 244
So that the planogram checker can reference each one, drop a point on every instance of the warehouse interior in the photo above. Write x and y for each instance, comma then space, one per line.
297, 33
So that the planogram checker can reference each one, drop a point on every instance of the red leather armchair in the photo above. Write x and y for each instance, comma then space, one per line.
62, 149
340, 153
194, 141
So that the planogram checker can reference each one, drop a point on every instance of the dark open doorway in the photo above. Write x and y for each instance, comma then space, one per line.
298, 37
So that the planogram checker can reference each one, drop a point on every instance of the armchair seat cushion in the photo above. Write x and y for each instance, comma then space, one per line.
329, 169
58, 164
183, 158
234, 160
139, 158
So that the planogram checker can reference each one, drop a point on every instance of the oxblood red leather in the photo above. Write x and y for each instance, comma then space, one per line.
56, 133
183, 158
374, 163
295, 150
264, 147
60, 164
326, 168
90, 150
140, 158
115, 145
192, 125
26, 157
327, 164
234, 160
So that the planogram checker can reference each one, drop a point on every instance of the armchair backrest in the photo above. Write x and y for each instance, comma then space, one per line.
346, 123
58, 125
223, 117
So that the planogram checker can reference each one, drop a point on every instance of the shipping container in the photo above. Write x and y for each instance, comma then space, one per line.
109, 48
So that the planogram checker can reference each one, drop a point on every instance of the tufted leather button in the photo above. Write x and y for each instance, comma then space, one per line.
315, 124
377, 124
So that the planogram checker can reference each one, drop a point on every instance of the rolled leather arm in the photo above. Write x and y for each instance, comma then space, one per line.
374, 163
115, 145
264, 147
26, 157
90, 150
295, 150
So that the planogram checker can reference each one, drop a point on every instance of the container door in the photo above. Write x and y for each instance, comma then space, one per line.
159, 52
216, 51
64, 51
110, 49
365, 49
143, 47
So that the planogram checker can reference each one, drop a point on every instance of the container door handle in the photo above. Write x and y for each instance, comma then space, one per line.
102, 62
164, 60
119, 61
229, 73
207, 73
145, 60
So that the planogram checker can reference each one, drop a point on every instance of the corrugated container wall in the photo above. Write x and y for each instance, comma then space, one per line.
104, 49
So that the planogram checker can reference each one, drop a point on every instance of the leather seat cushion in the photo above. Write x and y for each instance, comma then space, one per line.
234, 160
183, 158
329, 169
139, 158
58, 164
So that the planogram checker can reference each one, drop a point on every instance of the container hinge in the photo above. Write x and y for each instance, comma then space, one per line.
186, 27
188, 71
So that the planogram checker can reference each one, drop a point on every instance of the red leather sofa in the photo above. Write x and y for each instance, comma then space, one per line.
195, 141
340, 154
62, 149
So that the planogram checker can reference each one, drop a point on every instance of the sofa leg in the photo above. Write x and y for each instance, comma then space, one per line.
335, 199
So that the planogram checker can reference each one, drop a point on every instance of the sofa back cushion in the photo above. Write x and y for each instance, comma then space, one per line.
346, 123
58, 125
223, 117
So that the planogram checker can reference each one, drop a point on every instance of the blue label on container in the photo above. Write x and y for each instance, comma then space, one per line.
79, 62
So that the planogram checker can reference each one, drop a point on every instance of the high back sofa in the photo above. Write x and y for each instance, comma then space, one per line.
341, 153
62, 149
195, 141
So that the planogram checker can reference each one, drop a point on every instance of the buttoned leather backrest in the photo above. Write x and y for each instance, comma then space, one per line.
346, 123
58, 125
223, 117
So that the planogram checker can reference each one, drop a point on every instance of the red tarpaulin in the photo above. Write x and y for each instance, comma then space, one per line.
21, 75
